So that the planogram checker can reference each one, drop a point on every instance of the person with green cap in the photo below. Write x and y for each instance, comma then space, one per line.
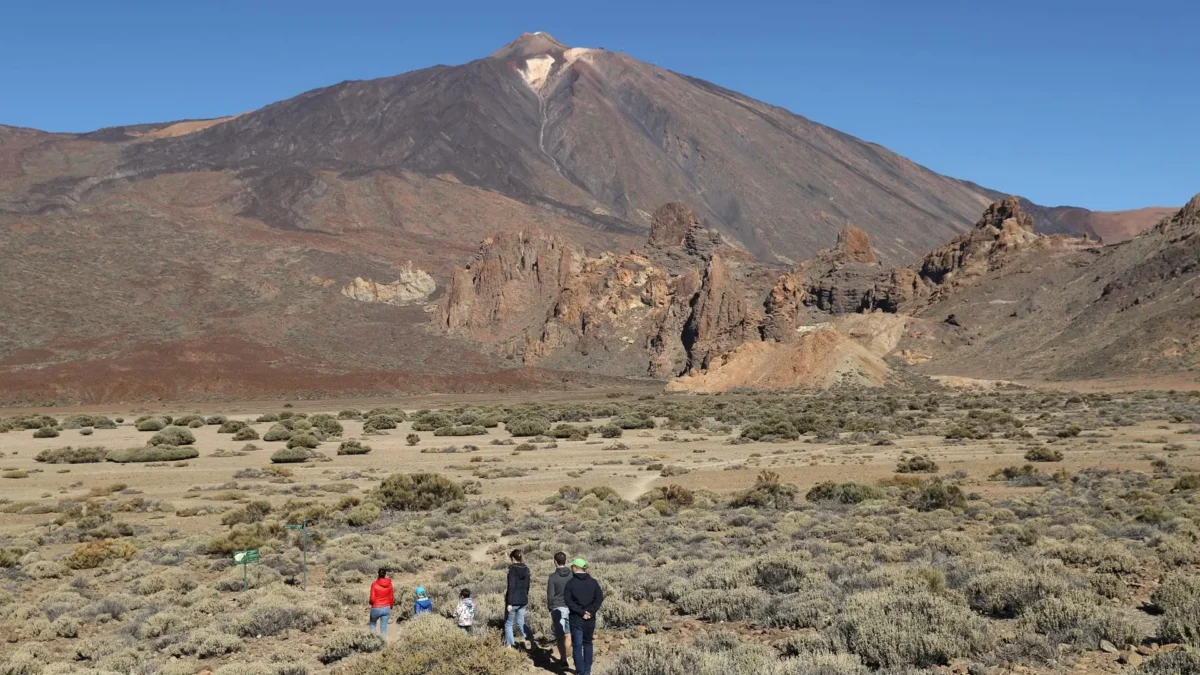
583, 597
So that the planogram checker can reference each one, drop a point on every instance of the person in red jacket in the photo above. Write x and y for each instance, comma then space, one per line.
382, 599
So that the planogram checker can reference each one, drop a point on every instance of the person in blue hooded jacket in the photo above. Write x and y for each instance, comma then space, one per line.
423, 604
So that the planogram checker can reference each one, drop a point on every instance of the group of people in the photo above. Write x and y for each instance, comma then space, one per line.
573, 599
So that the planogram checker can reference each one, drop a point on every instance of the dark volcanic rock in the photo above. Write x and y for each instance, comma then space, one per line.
670, 224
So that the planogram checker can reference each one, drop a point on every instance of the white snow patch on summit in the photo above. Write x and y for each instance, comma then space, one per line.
536, 71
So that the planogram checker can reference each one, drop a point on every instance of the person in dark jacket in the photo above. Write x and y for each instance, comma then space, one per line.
560, 616
516, 599
583, 597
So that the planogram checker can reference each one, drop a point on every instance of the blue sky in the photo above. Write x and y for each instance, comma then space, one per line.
1066, 102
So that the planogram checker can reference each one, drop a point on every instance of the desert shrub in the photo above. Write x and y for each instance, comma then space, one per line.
66, 627
634, 421
430, 420
460, 430
430, 645
362, 515
527, 426
254, 512
15, 473
274, 615
267, 417
418, 491
326, 424
1007, 593
173, 436
86, 431
151, 424
1190, 481
917, 464
94, 554
349, 642
938, 496
231, 427
353, 448
205, 643
734, 604
378, 423
302, 440
1174, 662
46, 432
890, 629
349, 414
1178, 597
1028, 476
769, 429
240, 538
45, 569
768, 491
843, 493
245, 434
216, 420
153, 453
290, 456
1043, 454
69, 455
618, 613
1077, 619
277, 432
611, 431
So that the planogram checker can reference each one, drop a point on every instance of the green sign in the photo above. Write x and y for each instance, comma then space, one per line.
245, 557
293, 527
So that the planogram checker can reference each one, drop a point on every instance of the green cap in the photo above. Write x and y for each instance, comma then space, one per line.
580, 563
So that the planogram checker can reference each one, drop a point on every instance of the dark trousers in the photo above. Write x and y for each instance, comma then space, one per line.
581, 644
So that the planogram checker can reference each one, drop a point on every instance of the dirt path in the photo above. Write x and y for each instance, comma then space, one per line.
479, 554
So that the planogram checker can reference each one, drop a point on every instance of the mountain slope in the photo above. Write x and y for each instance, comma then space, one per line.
597, 134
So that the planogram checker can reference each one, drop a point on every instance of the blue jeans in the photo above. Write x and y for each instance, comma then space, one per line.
380, 614
581, 645
517, 615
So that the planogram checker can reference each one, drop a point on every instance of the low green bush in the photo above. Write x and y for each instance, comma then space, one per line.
418, 491
291, 455
843, 493
303, 440
353, 448
46, 432
460, 430
151, 424
917, 464
153, 453
173, 436
231, 427
1043, 454
246, 434
70, 455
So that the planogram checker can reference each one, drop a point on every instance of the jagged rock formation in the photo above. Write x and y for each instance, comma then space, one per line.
1003, 228
506, 287
670, 224
721, 319
414, 286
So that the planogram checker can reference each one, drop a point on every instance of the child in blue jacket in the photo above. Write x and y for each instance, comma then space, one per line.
423, 604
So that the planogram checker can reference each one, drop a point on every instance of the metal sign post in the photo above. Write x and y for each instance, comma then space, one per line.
303, 527
244, 558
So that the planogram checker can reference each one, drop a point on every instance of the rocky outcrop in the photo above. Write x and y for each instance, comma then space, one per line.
721, 317
1004, 228
854, 245
412, 287
838, 281
670, 223
675, 229
507, 287
849, 350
